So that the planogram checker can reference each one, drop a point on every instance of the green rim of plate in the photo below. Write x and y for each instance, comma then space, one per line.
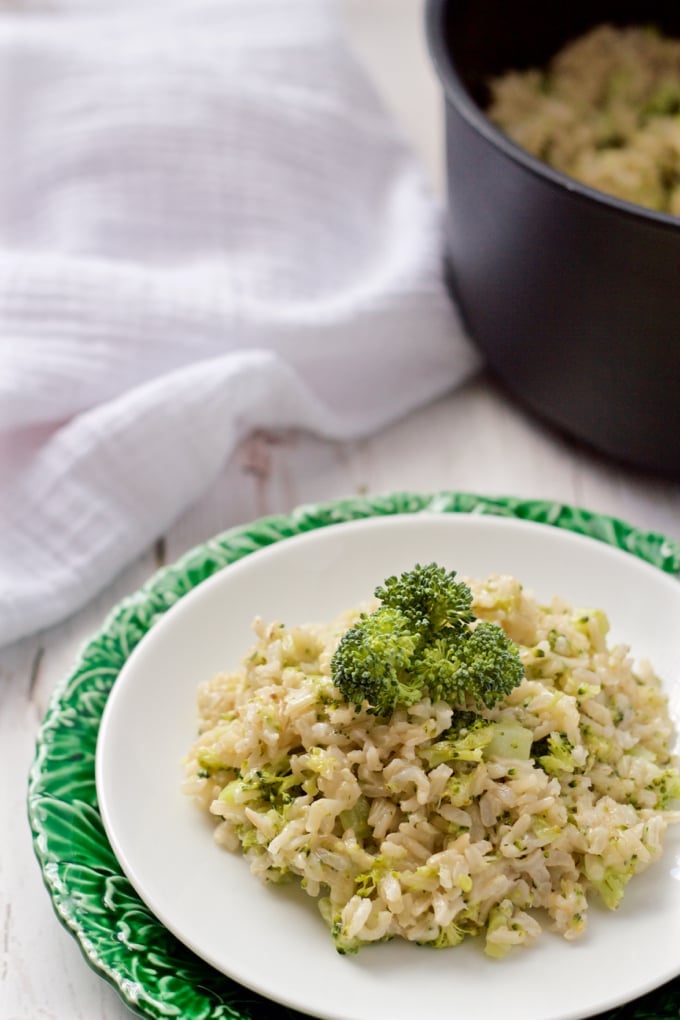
120, 938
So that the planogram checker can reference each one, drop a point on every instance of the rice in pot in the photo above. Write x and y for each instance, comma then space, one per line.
606, 111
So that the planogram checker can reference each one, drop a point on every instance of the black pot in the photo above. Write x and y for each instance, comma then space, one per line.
572, 296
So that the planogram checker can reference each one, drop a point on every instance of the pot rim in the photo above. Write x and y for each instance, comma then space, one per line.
457, 94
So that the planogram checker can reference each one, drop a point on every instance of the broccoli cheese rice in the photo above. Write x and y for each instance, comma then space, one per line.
606, 111
435, 824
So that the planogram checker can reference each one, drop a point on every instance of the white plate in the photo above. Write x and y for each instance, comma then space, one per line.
272, 939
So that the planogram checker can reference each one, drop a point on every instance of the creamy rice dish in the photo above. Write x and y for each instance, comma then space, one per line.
606, 111
440, 822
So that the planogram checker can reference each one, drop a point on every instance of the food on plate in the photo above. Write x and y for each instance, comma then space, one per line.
441, 763
606, 110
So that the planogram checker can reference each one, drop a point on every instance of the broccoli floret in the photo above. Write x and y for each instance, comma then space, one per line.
344, 945
558, 756
274, 785
460, 743
374, 659
481, 663
430, 598
424, 640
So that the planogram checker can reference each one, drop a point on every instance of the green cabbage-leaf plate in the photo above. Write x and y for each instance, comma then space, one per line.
154, 971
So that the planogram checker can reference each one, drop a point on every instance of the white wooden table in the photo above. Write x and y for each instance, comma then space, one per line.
473, 440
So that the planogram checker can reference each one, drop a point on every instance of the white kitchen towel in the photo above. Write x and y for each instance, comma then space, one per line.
208, 224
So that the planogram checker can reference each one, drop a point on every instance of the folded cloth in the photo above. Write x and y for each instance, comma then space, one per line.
208, 224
